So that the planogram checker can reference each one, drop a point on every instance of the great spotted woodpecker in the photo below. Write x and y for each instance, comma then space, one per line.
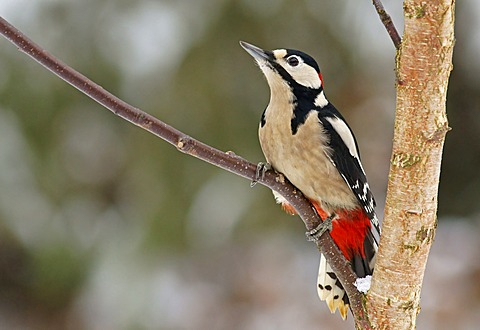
304, 137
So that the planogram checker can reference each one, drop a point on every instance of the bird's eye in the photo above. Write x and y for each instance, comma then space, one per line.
293, 61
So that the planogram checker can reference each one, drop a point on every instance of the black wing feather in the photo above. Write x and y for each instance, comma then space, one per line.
349, 166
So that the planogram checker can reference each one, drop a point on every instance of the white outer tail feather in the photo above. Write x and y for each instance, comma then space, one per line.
328, 289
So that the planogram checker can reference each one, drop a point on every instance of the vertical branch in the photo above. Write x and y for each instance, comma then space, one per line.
423, 69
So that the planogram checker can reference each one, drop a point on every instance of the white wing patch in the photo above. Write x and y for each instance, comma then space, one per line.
342, 129
361, 189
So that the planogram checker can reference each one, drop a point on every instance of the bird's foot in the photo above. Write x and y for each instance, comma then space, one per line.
262, 168
315, 234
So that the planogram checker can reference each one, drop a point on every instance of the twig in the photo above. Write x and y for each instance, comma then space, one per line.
387, 21
186, 144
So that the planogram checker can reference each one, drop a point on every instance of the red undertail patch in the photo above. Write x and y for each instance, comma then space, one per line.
349, 231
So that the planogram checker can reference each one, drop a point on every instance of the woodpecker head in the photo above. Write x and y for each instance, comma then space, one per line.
287, 66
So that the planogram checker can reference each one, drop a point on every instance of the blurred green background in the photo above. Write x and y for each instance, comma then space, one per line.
104, 226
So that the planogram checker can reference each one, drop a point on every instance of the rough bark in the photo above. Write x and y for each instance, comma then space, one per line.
424, 63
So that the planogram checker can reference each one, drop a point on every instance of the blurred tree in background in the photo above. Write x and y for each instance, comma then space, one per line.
103, 226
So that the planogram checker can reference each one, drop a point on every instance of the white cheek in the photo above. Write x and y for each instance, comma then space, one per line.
306, 76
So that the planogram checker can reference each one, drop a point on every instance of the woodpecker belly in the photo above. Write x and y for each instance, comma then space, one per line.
302, 158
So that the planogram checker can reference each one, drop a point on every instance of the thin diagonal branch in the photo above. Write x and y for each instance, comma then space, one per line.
387, 21
188, 145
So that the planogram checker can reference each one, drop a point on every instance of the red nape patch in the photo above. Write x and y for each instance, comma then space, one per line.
321, 78
349, 231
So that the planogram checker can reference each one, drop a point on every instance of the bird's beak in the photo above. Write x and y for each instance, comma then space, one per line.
257, 53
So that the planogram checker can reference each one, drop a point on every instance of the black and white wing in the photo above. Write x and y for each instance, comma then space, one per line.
346, 158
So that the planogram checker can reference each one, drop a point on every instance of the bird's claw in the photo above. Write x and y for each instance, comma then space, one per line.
315, 234
262, 168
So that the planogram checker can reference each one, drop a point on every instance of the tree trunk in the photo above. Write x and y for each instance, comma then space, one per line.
424, 62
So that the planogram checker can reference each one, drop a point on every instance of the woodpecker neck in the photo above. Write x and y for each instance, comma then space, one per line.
291, 100
281, 91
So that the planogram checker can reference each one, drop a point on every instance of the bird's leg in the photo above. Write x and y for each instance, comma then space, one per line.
262, 168
315, 234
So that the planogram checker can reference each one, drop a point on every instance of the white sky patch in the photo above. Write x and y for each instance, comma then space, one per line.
363, 283
21, 12
145, 37
215, 211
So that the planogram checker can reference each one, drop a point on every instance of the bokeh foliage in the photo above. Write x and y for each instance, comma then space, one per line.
81, 189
